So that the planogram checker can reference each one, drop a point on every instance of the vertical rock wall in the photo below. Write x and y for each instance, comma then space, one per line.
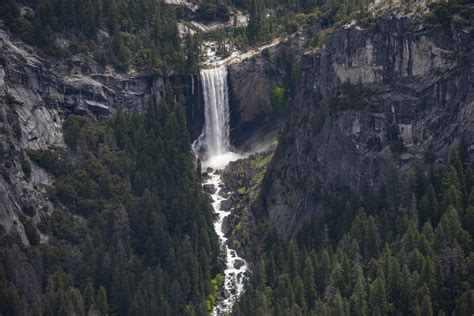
375, 97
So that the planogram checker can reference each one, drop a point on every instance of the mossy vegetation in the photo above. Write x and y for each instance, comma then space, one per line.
247, 175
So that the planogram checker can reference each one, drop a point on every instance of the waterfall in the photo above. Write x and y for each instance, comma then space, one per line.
213, 147
215, 137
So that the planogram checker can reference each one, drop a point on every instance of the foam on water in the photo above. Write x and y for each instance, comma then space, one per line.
222, 160
234, 276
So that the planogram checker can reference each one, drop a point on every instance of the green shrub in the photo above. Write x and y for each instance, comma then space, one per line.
17, 129
278, 98
347, 96
77, 47
66, 192
438, 14
49, 160
398, 147
287, 138
31, 232
319, 38
374, 143
213, 296
10, 99
28, 209
26, 167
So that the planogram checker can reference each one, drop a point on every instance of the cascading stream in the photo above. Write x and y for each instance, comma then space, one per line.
214, 146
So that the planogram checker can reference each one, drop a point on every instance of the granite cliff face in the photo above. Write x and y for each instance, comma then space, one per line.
376, 96
251, 80
250, 103
36, 95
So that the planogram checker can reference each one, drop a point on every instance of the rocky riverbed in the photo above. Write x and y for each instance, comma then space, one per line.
240, 183
237, 269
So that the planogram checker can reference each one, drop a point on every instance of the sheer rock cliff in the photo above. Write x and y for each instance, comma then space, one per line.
375, 98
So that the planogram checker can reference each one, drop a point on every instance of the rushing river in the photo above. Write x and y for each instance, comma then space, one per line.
236, 267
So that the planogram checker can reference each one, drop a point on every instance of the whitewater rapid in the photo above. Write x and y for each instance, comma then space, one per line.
236, 267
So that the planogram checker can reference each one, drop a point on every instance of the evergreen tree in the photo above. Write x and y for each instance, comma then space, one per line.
309, 283
102, 305
358, 300
255, 27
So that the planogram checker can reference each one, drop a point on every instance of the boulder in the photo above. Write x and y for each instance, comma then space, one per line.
224, 192
239, 263
209, 198
209, 188
226, 226
224, 293
226, 205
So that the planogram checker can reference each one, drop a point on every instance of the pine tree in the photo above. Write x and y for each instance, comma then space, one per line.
88, 295
149, 256
102, 305
378, 296
255, 25
452, 194
373, 242
465, 304
358, 300
429, 206
9, 11
426, 308
468, 220
309, 283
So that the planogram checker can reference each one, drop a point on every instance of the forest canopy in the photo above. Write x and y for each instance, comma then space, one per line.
131, 233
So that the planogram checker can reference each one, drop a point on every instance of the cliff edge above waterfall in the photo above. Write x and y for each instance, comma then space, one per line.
377, 98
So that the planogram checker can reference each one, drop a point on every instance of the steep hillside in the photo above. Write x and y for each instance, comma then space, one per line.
38, 93
377, 98
94, 171
367, 207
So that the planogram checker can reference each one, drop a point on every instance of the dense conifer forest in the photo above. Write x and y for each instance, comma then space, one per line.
405, 249
144, 34
131, 233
